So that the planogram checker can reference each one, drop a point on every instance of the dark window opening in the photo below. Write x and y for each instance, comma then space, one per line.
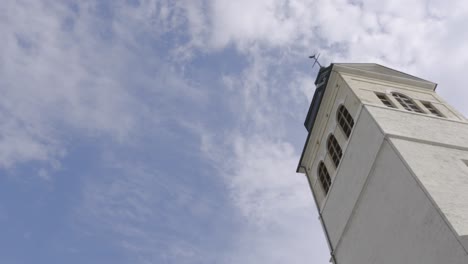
334, 150
431, 108
407, 103
324, 177
384, 99
345, 120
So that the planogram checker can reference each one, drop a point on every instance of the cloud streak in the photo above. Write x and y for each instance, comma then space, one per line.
194, 111
55, 70
277, 36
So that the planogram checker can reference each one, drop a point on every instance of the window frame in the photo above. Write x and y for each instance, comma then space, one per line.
407, 103
385, 100
345, 120
324, 177
334, 150
432, 109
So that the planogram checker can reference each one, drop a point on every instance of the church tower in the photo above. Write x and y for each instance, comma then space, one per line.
387, 162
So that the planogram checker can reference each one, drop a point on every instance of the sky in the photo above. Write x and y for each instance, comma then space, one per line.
169, 131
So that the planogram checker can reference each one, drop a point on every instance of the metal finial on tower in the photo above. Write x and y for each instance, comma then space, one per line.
315, 57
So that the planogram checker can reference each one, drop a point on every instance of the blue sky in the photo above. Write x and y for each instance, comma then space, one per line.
161, 131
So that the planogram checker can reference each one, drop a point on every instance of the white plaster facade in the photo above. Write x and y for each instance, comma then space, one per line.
400, 192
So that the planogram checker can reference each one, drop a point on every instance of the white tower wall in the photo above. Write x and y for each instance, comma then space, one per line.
400, 192
396, 222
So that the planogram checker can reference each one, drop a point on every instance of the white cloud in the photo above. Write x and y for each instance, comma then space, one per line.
423, 37
279, 218
69, 69
55, 72
258, 158
64, 67
153, 216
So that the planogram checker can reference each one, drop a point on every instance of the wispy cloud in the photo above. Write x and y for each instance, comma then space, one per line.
196, 158
156, 216
58, 69
81, 68
259, 156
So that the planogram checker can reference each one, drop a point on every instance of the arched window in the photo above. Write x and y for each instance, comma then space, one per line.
407, 103
324, 177
334, 150
345, 120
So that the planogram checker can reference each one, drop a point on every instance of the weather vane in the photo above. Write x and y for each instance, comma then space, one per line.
315, 57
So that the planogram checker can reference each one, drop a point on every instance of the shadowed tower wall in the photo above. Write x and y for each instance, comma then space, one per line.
387, 163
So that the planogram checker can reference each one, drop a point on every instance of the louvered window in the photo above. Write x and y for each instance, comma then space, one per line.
345, 120
324, 177
334, 150
431, 108
384, 99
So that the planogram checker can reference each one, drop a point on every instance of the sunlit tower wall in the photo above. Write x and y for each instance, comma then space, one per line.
387, 162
